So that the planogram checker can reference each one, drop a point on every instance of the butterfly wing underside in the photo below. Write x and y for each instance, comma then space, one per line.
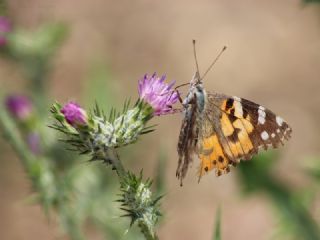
235, 128
187, 145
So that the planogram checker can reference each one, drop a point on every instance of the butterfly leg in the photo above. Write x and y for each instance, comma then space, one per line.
173, 110
179, 96
180, 100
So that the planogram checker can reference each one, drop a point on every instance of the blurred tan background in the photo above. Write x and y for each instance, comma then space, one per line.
273, 58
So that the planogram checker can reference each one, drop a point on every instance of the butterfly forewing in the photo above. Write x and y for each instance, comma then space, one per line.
233, 129
268, 129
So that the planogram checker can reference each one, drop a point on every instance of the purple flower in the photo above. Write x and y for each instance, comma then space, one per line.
5, 27
33, 141
74, 114
158, 94
19, 106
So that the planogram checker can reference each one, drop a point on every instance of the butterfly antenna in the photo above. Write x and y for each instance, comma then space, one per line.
214, 61
195, 55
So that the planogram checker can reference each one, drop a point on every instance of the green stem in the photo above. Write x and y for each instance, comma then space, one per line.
116, 163
147, 232
38, 78
70, 222
12, 135
28, 159
112, 155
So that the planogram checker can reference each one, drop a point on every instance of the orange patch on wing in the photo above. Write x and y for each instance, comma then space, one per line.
216, 159
226, 125
247, 124
227, 130
236, 149
244, 144
243, 136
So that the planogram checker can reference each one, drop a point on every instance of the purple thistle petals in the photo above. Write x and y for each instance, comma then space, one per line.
19, 106
74, 114
5, 27
157, 93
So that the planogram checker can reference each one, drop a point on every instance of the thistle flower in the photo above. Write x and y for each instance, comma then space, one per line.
157, 93
5, 27
74, 114
19, 106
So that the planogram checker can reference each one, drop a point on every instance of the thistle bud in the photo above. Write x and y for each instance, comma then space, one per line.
74, 114
19, 106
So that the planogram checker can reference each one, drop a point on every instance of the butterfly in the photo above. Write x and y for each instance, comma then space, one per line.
221, 130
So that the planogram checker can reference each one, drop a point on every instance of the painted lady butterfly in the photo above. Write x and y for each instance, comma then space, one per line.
221, 129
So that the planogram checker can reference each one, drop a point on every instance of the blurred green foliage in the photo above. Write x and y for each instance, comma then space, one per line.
33, 52
311, 1
3, 7
313, 170
217, 230
160, 171
99, 87
257, 177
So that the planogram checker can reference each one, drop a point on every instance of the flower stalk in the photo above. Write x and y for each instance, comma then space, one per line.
93, 134
138, 203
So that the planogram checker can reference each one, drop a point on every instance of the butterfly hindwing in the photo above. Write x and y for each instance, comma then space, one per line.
212, 156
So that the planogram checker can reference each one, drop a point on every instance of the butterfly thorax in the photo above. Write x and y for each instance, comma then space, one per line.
196, 94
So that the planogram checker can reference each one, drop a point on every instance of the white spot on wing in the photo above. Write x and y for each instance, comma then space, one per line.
238, 109
264, 135
273, 135
287, 131
237, 98
262, 115
261, 120
279, 121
